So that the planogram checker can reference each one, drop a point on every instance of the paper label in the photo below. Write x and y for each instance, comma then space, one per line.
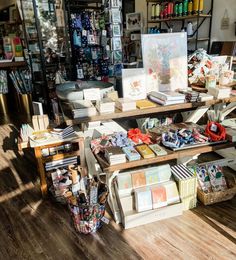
105, 220
84, 33
92, 94
214, 128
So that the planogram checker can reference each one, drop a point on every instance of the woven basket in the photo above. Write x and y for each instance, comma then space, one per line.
215, 197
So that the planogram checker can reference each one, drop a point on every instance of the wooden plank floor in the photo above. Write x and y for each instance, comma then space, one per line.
31, 228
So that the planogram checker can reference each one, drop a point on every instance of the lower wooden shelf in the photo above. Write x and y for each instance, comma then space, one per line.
170, 156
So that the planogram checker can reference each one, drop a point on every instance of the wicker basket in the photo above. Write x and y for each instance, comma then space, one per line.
215, 197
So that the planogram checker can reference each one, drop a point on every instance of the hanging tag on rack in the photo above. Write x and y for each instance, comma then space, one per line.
225, 21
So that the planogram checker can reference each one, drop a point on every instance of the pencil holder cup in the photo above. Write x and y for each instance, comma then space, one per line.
25, 104
3, 104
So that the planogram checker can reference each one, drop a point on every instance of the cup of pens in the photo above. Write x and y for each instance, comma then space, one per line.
3, 92
22, 82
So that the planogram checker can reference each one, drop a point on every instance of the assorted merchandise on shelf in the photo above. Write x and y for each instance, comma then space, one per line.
144, 191
22, 81
213, 185
168, 9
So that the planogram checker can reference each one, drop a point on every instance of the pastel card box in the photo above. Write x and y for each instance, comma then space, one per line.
159, 197
143, 199
124, 184
138, 179
131, 153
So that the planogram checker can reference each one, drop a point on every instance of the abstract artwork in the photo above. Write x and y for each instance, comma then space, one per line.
165, 61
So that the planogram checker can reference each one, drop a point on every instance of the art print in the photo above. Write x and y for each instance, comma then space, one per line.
165, 61
134, 84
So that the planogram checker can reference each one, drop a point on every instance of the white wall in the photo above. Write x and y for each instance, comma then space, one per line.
219, 9
218, 13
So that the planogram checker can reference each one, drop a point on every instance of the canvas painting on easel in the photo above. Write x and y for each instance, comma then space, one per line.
165, 61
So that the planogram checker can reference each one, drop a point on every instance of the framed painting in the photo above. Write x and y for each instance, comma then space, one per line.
165, 61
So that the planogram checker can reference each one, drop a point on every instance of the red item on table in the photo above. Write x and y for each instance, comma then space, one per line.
215, 131
136, 136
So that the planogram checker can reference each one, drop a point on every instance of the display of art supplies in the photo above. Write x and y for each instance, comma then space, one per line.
158, 150
145, 151
131, 153
115, 155
125, 104
82, 108
143, 199
144, 104
124, 183
105, 106
159, 197
21, 81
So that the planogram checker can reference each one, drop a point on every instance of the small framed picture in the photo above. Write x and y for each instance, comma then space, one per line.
117, 45
134, 21
116, 15
116, 30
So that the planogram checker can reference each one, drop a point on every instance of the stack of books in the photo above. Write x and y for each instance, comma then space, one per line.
125, 104
190, 95
83, 108
63, 131
115, 155
105, 106
167, 98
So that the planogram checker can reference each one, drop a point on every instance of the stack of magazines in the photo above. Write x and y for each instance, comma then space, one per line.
63, 131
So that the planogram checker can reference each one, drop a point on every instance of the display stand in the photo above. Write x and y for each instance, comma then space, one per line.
42, 160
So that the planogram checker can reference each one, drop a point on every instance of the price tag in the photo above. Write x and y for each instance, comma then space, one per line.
104, 33
214, 128
84, 33
105, 220
92, 94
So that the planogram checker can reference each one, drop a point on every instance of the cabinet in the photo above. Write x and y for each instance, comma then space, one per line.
171, 21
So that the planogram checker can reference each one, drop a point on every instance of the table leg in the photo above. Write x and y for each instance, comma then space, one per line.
41, 170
